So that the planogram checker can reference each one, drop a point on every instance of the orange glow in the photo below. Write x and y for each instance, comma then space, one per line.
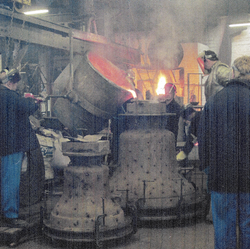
201, 64
133, 93
161, 83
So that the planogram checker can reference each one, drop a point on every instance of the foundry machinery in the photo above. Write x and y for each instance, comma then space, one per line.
147, 183
86, 212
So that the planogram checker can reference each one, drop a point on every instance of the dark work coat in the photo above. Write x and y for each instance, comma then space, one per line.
192, 130
173, 121
16, 133
224, 138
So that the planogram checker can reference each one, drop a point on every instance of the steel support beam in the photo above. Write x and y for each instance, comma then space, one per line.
37, 31
32, 30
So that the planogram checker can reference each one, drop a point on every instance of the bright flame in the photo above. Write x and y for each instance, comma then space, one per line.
161, 83
133, 93
35, 12
239, 25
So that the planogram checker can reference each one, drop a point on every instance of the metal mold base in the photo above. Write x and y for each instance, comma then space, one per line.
184, 211
104, 234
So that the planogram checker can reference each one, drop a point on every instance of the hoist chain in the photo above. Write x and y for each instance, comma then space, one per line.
21, 37
17, 45
9, 34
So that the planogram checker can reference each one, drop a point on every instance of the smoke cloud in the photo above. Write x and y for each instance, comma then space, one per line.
170, 23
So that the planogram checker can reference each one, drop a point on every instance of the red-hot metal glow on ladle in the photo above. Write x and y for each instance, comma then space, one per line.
110, 72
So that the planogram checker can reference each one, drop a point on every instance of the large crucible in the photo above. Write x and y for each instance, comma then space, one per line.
99, 88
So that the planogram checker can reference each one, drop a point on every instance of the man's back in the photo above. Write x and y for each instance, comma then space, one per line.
224, 139
16, 134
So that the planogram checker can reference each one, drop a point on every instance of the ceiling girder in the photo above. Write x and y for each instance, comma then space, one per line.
36, 31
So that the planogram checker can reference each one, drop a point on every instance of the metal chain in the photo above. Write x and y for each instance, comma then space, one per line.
9, 34
18, 45
9, 37
21, 37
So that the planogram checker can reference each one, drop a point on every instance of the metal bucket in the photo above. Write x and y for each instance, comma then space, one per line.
101, 88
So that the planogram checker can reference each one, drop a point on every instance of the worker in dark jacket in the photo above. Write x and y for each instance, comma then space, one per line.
224, 149
191, 118
16, 137
171, 107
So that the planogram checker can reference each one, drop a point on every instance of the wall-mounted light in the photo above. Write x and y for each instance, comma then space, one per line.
239, 25
36, 12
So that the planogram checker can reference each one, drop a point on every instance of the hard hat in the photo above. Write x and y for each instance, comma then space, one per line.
208, 54
12, 75
171, 86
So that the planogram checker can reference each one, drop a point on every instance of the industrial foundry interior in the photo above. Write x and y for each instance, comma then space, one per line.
107, 163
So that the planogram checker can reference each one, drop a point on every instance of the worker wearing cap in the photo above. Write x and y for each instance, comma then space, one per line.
218, 72
171, 107
16, 137
224, 149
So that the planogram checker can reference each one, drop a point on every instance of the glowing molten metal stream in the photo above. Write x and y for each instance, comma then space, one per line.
133, 93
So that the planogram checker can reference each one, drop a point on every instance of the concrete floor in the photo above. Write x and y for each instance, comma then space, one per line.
189, 235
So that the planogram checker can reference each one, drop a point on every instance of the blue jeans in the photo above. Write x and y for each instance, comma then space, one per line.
10, 182
225, 208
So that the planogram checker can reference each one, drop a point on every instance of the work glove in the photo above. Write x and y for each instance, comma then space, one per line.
181, 156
